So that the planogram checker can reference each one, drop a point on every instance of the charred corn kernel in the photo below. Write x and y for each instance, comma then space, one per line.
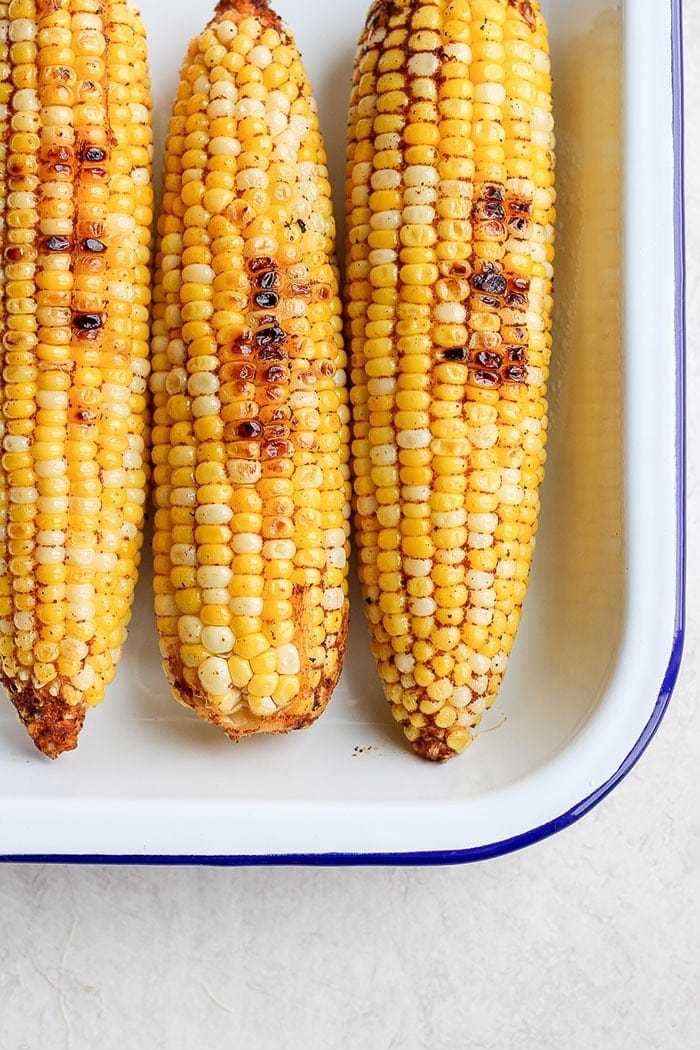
75, 217
450, 212
251, 423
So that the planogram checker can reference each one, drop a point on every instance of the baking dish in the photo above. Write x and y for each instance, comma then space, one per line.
598, 652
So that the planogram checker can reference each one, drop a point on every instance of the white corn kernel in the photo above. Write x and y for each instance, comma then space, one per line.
451, 313
84, 679
226, 31
262, 706
333, 599
383, 455
461, 52
279, 550
421, 175
423, 64
417, 566
419, 215
288, 660
411, 439
260, 56
461, 696
214, 676
337, 558
213, 514
247, 543
334, 537
218, 640
189, 629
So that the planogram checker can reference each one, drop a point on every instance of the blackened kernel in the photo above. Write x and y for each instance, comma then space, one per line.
302, 225
516, 374
88, 322
58, 244
261, 263
516, 354
16, 166
270, 336
489, 360
62, 169
518, 223
15, 253
93, 154
276, 374
91, 244
492, 210
520, 206
515, 299
278, 450
84, 415
327, 369
493, 193
266, 300
268, 280
489, 282
489, 300
486, 378
96, 173
459, 353
271, 353
521, 284
250, 428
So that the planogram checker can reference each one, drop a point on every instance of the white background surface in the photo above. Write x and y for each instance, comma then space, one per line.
588, 940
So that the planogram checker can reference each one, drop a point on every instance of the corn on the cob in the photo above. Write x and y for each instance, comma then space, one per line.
75, 215
450, 207
251, 423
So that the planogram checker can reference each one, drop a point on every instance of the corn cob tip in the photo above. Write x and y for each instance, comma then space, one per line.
302, 712
249, 9
434, 749
52, 724
527, 11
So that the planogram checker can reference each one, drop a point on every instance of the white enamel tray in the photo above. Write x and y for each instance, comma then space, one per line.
599, 647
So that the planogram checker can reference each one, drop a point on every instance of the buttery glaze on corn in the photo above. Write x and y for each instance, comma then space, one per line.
75, 216
450, 209
251, 423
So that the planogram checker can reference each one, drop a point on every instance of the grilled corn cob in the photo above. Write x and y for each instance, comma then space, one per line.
450, 209
75, 215
251, 422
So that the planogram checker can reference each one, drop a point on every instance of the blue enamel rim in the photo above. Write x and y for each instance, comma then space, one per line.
495, 849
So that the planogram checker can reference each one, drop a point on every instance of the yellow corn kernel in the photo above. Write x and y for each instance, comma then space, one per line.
450, 231
74, 328
250, 426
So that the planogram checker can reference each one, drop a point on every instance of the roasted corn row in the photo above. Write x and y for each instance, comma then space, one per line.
75, 216
450, 209
251, 422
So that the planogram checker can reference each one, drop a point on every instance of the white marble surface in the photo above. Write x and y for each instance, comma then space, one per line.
589, 940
